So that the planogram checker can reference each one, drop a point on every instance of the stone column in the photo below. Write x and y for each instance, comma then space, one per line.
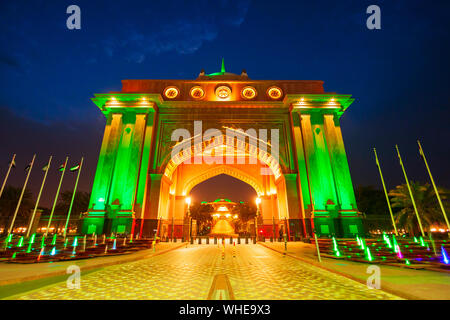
102, 181
324, 197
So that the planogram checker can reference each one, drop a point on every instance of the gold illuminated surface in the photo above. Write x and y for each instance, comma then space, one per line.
223, 92
274, 92
197, 93
171, 92
248, 93
254, 272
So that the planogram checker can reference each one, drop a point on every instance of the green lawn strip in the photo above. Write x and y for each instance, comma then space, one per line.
12, 291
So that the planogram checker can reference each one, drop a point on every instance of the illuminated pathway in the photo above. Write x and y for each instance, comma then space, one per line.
187, 273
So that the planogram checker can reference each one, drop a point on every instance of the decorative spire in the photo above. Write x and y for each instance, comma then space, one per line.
223, 66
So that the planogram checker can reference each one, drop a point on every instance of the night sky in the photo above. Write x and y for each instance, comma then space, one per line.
399, 75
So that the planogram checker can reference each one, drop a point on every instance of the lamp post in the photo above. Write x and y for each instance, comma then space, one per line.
258, 201
188, 202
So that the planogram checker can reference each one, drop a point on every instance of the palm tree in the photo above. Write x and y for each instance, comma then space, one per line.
80, 203
202, 213
426, 203
8, 204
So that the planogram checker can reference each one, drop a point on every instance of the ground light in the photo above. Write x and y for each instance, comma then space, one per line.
336, 249
444, 255
422, 243
369, 255
33, 236
53, 252
394, 241
43, 242
399, 253
30, 245
20, 244
54, 240
114, 245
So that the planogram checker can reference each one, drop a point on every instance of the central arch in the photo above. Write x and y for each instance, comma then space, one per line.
223, 169
257, 167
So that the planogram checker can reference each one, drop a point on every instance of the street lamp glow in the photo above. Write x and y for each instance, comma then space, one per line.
258, 201
188, 201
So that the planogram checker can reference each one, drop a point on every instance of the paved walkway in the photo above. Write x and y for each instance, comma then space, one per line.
11, 273
245, 272
404, 282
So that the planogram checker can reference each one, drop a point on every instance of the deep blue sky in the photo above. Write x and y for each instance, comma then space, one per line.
399, 75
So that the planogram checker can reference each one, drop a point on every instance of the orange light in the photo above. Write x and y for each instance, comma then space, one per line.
274, 92
188, 201
248, 93
197, 92
171, 92
223, 92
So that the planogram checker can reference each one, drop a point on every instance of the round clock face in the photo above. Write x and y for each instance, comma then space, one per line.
197, 93
223, 92
248, 93
171, 92
274, 92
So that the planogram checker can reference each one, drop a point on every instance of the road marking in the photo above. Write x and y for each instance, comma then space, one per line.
221, 288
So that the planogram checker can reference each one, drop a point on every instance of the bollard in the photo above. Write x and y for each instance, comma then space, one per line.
246, 240
215, 240
271, 239
192, 240
231, 240
254, 240
199, 240
207, 240
239, 240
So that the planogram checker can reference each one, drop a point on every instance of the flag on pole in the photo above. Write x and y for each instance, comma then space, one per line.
13, 163
76, 168
61, 167
420, 149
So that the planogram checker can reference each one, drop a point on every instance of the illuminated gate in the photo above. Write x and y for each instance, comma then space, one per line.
297, 164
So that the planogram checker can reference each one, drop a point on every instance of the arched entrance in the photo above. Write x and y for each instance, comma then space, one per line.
298, 143
185, 172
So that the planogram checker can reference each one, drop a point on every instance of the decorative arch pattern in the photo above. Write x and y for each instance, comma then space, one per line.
221, 141
223, 169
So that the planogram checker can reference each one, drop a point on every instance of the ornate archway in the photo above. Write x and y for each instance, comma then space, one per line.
136, 176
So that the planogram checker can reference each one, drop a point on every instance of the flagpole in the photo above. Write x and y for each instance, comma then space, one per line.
385, 191
38, 198
56, 198
7, 174
410, 192
73, 197
21, 195
434, 185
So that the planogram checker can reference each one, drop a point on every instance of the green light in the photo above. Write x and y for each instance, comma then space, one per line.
369, 255
9, 238
65, 243
32, 238
20, 244
415, 240
75, 242
395, 244
407, 262
422, 243
43, 242
14, 255
29, 247
54, 240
